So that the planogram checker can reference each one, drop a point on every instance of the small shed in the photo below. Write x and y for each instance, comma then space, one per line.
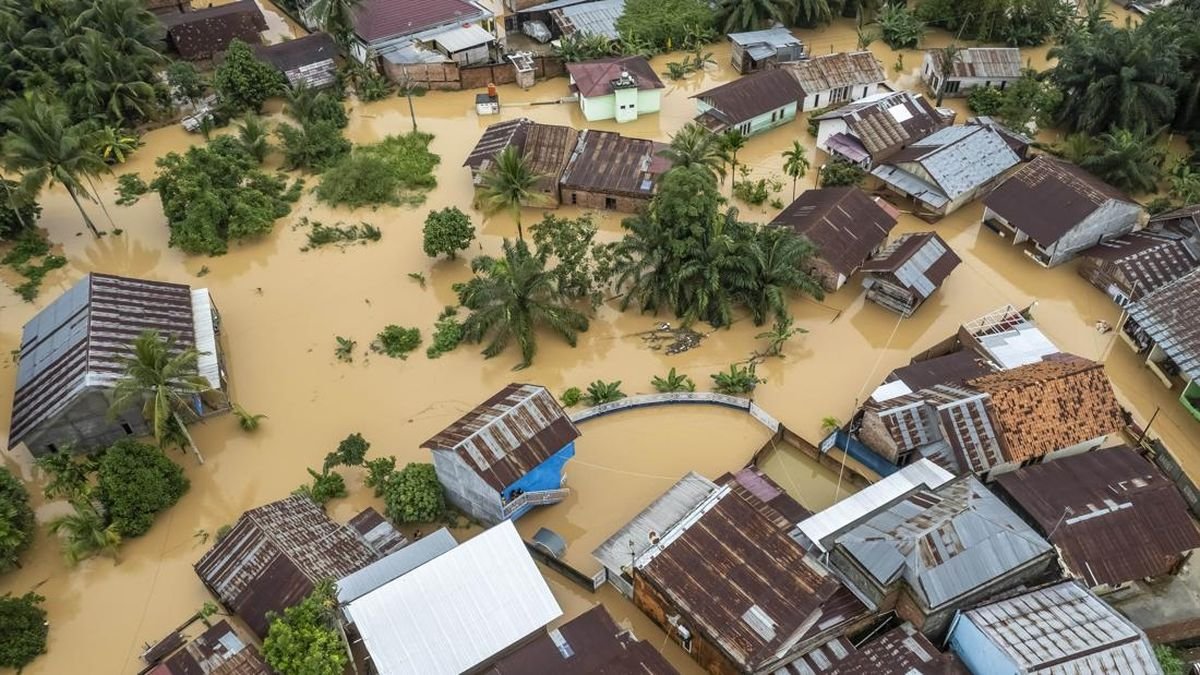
908, 271
830, 79
751, 104
613, 172
973, 67
759, 49
506, 455
204, 33
307, 61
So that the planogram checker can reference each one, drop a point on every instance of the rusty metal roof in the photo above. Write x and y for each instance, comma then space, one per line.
765, 495
749, 96
842, 222
998, 63
81, 339
1048, 197
508, 435
832, 71
1064, 629
608, 162
953, 368
738, 578
595, 78
274, 555
376, 20
1171, 316
1148, 259
206, 32
220, 650
640, 533
495, 139
1050, 405
900, 651
885, 123
1113, 515
918, 261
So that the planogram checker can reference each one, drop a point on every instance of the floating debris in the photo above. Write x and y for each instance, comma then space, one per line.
675, 340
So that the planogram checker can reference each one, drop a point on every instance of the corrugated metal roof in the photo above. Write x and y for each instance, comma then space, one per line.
1171, 316
202, 33
395, 565
749, 96
998, 63
918, 261
776, 37
830, 521
1010, 339
457, 610
629, 542
508, 435
590, 18
595, 78
1148, 259
844, 223
219, 650
953, 368
302, 51
833, 71
944, 543
463, 37
900, 651
958, 159
1064, 629
608, 162
886, 122
376, 20
496, 138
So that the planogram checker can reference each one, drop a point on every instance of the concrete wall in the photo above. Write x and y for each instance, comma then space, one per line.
453, 77
465, 489
825, 98
83, 425
977, 651
600, 200
1111, 220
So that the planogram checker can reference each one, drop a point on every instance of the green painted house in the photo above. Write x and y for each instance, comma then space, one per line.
618, 89
752, 104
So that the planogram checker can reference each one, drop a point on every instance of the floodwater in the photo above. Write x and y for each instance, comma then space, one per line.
282, 308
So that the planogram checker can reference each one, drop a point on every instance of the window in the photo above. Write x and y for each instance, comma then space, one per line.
951, 87
685, 638
610, 203
128, 429
773, 113
817, 101
574, 198
52, 448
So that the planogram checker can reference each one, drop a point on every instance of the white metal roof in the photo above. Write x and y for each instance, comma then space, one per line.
206, 337
821, 525
1018, 347
457, 610
890, 390
394, 565
463, 37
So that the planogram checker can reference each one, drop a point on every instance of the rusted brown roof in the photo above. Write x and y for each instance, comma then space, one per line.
843, 222
303, 51
381, 19
508, 435
1048, 197
1053, 404
832, 71
548, 148
274, 555
953, 368
1171, 317
900, 651
751, 95
595, 78
766, 496
220, 650
1147, 259
495, 139
740, 580
610, 163
886, 123
998, 63
206, 32
1113, 515
590, 644
918, 261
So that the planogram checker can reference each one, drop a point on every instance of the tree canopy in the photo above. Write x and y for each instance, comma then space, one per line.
243, 82
305, 639
135, 482
23, 629
16, 520
410, 495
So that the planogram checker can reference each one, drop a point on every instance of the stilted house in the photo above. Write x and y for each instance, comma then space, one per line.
1165, 326
758, 49
620, 89
908, 271
276, 554
205, 33
72, 355
507, 455
972, 67
752, 104
307, 61
830, 79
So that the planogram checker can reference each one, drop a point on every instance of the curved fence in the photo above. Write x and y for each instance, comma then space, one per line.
677, 398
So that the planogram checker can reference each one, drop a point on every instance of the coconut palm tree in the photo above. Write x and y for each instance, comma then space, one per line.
336, 17
780, 267
1130, 161
812, 12
508, 184
742, 15
163, 378
642, 263
254, 135
717, 269
693, 145
510, 297
795, 164
44, 147
84, 532
731, 142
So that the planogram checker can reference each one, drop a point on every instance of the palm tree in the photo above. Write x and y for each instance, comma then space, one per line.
84, 532
948, 55
743, 15
509, 297
66, 474
44, 147
642, 264
163, 378
336, 17
780, 267
1076, 148
1132, 162
812, 12
693, 145
732, 141
508, 184
254, 135
795, 164
717, 270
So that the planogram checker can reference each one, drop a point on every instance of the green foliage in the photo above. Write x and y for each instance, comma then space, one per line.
397, 170
447, 334
325, 486
778, 336
379, 470
214, 195
1169, 660
667, 24
315, 146
692, 63
338, 234
580, 266
23, 629
447, 231
1130, 161
1184, 181
114, 145
1029, 103
673, 382
413, 495
17, 213
306, 639
31, 244
310, 106
345, 349
812, 124
838, 172
746, 15
900, 28
418, 277
130, 188
16, 520
352, 451
85, 533
396, 341
135, 482
67, 475
600, 392
246, 420
244, 83
571, 397
255, 136
584, 46
739, 380
830, 424
185, 81
509, 183
1017, 23
985, 100
753, 192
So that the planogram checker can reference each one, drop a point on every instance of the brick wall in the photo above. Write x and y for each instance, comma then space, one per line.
598, 201
451, 76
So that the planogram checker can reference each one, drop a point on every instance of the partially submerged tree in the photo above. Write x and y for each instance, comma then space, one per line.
243, 82
23, 629
16, 521
795, 164
508, 184
447, 232
135, 482
85, 533
306, 639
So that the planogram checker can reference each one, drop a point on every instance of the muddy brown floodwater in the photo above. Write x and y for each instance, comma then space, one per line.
281, 309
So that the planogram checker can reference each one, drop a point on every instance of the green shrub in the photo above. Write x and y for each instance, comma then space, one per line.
571, 397
447, 335
397, 170
447, 231
379, 470
23, 629
16, 520
666, 24
352, 451
306, 640
244, 83
900, 28
396, 341
673, 382
338, 234
985, 100
15, 220
315, 146
838, 172
130, 187
136, 482
739, 380
185, 81
414, 495
325, 486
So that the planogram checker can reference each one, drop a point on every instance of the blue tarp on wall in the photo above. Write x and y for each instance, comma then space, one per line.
544, 476
848, 444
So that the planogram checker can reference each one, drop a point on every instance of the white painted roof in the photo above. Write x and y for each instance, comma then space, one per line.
206, 337
821, 525
456, 610
1018, 347
890, 390
397, 564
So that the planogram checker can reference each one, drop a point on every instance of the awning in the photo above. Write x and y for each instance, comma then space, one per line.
463, 37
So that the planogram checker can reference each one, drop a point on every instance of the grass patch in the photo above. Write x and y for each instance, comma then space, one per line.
338, 234
31, 258
396, 171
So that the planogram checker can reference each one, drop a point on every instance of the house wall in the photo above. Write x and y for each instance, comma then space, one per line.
1105, 276
654, 605
1113, 219
472, 56
886, 292
84, 425
830, 279
936, 622
465, 489
769, 120
1018, 237
626, 105
881, 599
600, 200
596, 108
875, 436
825, 97
828, 128
977, 651
933, 79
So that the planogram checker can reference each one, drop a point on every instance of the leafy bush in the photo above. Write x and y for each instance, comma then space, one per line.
315, 146
396, 341
1017, 23
754, 192
135, 482
673, 382
244, 83
306, 640
31, 244
1169, 660
326, 485
185, 81
379, 470
900, 28
985, 100
16, 520
16, 215
397, 170
338, 234
447, 231
570, 398
813, 125
344, 351
414, 495
584, 46
600, 392
23, 629
352, 451
447, 335
838, 172
666, 24
130, 188
582, 266
739, 380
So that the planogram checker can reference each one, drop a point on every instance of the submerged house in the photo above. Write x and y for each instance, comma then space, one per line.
1165, 326
1113, 516
72, 355
219, 650
307, 61
872, 129
831, 79
205, 33
846, 226
507, 455
404, 31
275, 555
758, 49
1059, 209
752, 104
618, 89
612, 172
1129, 267
1057, 628
947, 169
937, 550
972, 67
905, 273
547, 149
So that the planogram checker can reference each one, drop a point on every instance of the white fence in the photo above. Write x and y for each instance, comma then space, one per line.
680, 397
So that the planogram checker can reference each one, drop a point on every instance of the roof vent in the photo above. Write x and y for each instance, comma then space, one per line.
653, 537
